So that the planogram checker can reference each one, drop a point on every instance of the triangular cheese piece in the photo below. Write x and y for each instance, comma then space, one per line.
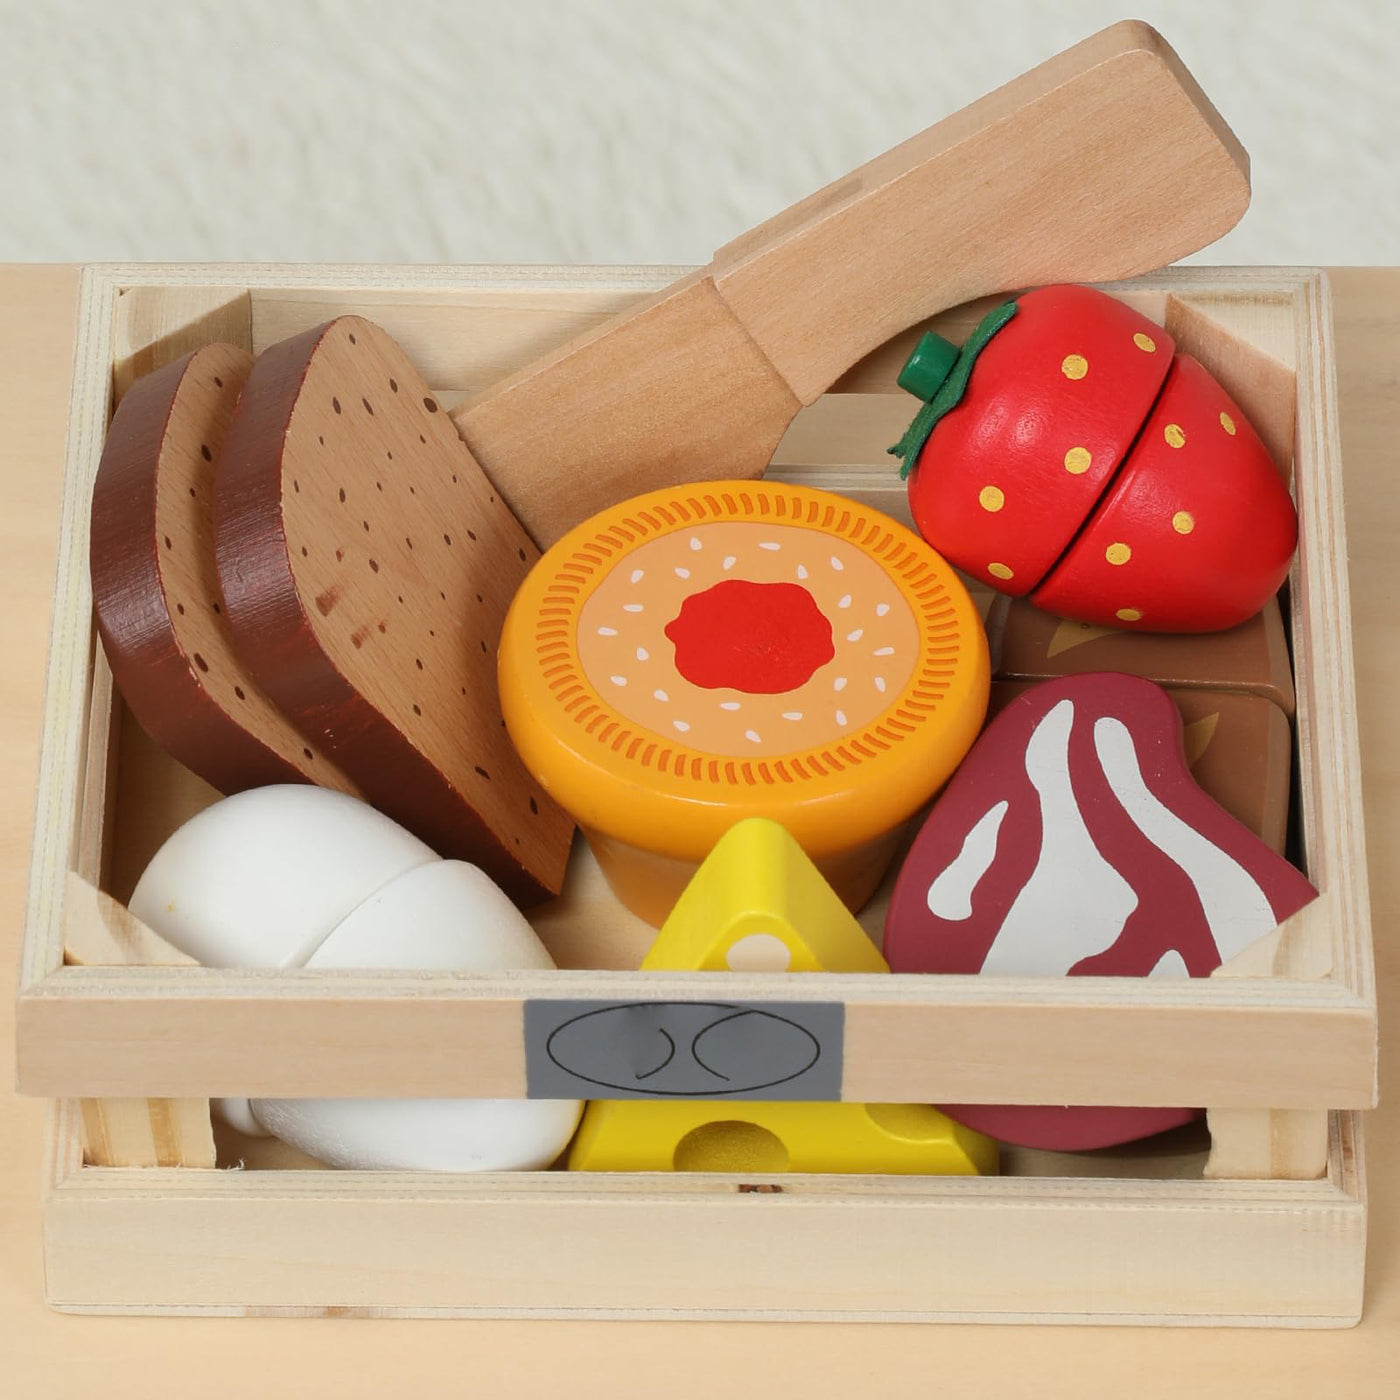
757, 903
756, 1139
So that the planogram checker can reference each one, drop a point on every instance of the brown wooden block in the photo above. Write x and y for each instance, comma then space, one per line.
1028, 644
367, 565
1239, 749
156, 591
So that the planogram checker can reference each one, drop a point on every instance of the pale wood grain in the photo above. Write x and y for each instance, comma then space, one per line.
1310, 1039
154, 327
1075, 169
131, 1132
99, 931
1259, 1143
1095, 145
912, 1249
909, 1038
528, 1358
1249, 346
1316, 1038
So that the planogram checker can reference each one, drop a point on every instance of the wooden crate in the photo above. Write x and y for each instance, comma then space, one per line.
1261, 1223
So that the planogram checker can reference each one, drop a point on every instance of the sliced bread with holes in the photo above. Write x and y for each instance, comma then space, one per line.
159, 611
367, 564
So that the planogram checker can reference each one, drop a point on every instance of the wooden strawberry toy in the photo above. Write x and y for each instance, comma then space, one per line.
1068, 454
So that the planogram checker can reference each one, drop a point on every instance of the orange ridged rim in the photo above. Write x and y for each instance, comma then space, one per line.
623, 778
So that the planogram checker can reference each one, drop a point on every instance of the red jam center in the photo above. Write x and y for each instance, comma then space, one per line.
761, 638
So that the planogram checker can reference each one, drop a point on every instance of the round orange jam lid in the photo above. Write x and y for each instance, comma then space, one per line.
731, 649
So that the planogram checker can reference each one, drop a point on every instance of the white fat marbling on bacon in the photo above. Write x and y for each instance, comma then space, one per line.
950, 895
1075, 903
1236, 909
1170, 964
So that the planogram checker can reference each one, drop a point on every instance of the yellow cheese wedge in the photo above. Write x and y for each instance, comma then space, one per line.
758, 904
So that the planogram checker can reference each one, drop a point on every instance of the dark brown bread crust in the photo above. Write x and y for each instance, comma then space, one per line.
262, 553
159, 678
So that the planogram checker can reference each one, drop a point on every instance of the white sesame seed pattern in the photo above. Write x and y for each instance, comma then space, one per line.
735, 723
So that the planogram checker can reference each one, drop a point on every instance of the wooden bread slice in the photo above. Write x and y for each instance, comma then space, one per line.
367, 565
156, 591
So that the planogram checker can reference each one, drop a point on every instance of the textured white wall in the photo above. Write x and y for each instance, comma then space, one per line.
527, 131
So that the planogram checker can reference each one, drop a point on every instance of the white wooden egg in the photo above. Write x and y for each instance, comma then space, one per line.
295, 876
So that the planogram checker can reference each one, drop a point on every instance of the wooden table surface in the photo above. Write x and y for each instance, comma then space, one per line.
44, 1354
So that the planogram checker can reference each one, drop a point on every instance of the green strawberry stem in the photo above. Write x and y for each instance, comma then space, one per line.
939, 375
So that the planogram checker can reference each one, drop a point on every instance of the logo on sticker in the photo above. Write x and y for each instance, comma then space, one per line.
680, 1049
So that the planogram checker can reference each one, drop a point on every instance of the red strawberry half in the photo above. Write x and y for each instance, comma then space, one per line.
1067, 453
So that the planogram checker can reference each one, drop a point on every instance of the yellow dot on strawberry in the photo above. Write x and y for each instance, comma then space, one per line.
1227, 422
1000, 571
991, 498
1074, 366
1144, 342
1118, 553
1128, 615
1077, 461
1183, 522
1174, 436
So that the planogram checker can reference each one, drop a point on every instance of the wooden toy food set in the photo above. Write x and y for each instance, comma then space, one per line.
614, 420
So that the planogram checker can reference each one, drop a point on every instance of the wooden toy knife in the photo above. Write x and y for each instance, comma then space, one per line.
1106, 161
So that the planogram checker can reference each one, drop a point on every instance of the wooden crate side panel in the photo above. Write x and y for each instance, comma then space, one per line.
635, 1246
1240, 1043
132, 1132
1081, 1252
1329, 776
68, 695
156, 325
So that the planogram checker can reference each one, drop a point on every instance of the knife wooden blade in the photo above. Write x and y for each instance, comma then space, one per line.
1106, 161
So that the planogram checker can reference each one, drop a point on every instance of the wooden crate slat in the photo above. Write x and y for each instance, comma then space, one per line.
824, 1248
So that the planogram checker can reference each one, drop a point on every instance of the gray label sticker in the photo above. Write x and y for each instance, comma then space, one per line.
684, 1049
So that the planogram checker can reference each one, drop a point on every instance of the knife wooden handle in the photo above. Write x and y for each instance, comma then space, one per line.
1106, 161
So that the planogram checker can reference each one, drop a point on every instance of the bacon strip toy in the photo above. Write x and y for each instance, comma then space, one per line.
1073, 841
